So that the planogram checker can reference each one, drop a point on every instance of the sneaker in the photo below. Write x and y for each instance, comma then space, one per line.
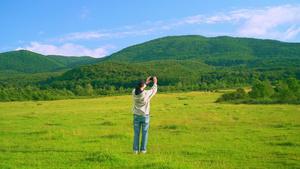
143, 152
135, 152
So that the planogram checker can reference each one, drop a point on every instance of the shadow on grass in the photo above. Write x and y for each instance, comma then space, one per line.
174, 127
106, 158
107, 123
36, 133
289, 144
102, 157
116, 136
160, 166
41, 151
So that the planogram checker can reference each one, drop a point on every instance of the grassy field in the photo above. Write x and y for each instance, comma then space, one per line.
187, 130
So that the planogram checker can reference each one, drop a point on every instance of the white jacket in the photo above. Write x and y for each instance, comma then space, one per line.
142, 101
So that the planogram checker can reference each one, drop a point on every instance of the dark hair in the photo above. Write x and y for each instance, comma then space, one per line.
138, 86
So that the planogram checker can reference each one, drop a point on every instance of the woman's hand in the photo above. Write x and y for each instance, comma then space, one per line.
148, 80
154, 80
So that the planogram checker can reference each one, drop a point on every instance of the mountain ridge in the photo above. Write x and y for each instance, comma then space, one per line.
208, 50
27, 62
220, 52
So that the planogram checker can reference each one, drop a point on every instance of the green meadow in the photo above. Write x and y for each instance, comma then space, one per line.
187, 130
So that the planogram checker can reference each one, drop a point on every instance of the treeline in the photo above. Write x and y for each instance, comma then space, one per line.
116, 78
34, 93
287, 91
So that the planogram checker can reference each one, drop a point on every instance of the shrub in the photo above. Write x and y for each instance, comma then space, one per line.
239, 94
261, 90
288, 90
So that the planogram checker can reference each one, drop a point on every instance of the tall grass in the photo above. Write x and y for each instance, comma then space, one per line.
187, 130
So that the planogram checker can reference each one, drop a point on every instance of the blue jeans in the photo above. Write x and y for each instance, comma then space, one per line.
138, 122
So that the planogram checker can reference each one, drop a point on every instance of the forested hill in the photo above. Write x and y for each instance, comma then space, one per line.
181, 63
188, 63
221, 52
218, 51
26, 62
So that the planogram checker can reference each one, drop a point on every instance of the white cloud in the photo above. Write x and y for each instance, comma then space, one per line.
84, 35
237, 15
192, 20
218, 18
291, 33
122, 33
267, 22
68, 49
232, 16
258, 23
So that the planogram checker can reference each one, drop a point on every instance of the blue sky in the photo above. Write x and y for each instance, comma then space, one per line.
99, 28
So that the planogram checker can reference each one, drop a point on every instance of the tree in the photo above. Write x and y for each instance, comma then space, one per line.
121, 90
293, 84
283, 92
261, 90
79, 90
4, 96
179, 86
287, 90
204, 86
241, 94
112, 89
89, 89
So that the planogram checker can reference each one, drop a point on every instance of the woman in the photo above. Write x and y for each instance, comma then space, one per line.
141, 110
